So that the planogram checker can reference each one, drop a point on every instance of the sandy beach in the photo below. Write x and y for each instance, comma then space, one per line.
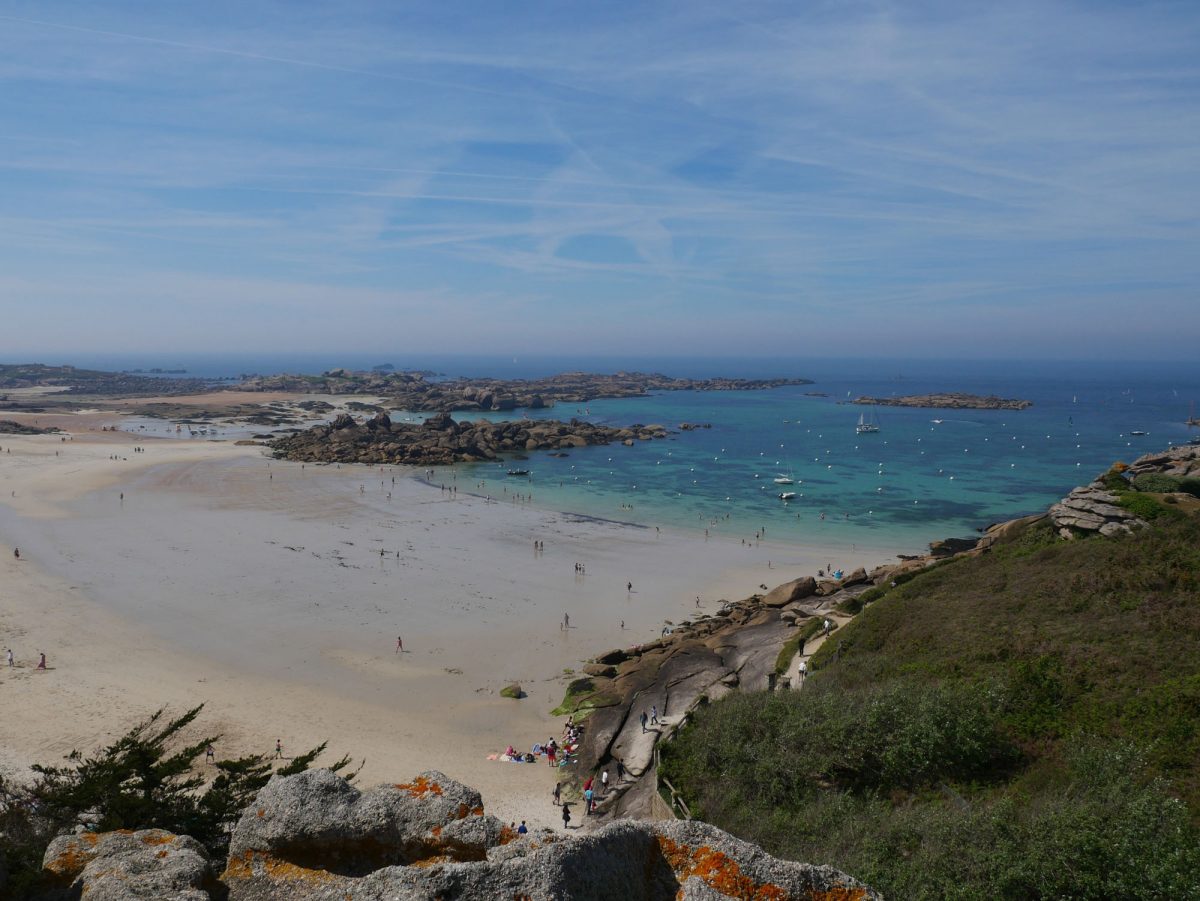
204, 572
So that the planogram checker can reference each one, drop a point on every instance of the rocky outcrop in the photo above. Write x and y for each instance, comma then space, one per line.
699, 661
795, 590
313, 837
12, 427
1092, 509
1182, 462
319, 822
121, 866
393, 843
948, 401
440, 440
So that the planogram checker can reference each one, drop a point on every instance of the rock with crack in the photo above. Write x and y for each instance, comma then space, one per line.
125, 865
318, 821
1092, 509
629, 860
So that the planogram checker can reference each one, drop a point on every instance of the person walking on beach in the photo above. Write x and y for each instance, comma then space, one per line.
566, 620
16, 550
522, 829
210, 754
587, 802
604, 782
9, 655
654, 715
399, 644
278, 749
556, 796
566, 815
629, 587
42, 661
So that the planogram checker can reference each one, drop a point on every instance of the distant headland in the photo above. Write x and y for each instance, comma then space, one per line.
415, 391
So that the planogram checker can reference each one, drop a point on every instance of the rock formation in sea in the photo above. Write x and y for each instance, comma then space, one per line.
948, 401
440, 440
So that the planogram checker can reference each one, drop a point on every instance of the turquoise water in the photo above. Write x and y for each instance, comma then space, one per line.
914, 481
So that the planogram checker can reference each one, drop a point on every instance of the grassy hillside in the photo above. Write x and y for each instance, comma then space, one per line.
1025, 724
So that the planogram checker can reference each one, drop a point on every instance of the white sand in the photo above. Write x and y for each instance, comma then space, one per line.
257, 587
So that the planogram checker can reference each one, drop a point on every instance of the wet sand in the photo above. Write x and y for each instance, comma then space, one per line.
258, 587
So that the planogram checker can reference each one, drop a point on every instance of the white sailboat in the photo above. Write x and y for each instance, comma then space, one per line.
784, 480
866, 425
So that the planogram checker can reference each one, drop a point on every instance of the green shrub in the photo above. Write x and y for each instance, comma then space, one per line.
873, 740
1156, 482
1145, 507
145, 779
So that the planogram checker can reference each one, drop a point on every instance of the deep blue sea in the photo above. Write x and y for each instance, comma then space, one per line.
913, 481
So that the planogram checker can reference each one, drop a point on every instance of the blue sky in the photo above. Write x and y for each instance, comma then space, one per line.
957, 179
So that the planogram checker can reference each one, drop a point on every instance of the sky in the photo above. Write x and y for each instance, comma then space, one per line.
939, 180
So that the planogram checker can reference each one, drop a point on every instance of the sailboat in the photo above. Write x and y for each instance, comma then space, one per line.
866, 425
781, 479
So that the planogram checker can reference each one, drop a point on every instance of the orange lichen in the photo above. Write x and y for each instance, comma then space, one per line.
261, 812
507, 835
243, 868
159, 838
720, 872
420, 787
436, 830
70, 861
431, 861
463, 810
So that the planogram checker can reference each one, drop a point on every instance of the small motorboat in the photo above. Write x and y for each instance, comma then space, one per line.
786, 495
1138, 432
784, 480
518, 472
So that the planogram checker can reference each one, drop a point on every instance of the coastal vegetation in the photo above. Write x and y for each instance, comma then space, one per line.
1021, 724
153, 777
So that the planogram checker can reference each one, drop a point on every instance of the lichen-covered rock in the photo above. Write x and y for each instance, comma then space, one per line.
1092, 509
274, 860
129, 866
316, 820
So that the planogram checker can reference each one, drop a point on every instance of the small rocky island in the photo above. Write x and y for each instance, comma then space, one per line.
414, 391
11, 427
947, 401
441, 441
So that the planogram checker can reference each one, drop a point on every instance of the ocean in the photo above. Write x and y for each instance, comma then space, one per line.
926, 474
